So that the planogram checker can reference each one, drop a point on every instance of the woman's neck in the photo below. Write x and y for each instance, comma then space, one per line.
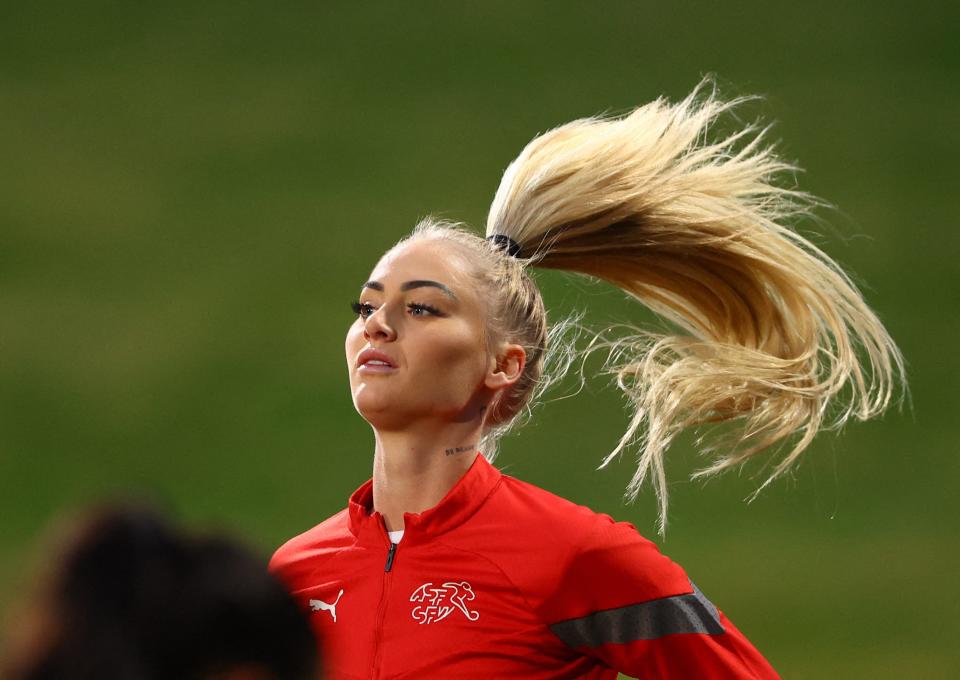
414, 469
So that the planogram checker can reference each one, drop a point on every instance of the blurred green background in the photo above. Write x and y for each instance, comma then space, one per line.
191, 194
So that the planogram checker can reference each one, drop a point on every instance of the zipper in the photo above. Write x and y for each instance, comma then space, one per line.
382, 609
390, 554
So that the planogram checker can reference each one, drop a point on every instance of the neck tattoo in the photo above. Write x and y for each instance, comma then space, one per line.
459, 449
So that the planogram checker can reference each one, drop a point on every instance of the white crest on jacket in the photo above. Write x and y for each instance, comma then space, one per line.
435, 603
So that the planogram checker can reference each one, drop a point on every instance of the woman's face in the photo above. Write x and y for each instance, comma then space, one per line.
420, 313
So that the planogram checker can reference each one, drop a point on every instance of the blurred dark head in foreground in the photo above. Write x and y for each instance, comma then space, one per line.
131, 597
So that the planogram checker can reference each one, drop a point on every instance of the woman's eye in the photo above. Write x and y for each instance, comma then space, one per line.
419, 309
363, 309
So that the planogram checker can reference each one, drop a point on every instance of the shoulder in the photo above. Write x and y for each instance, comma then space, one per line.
554, 518
549, 545
322, 541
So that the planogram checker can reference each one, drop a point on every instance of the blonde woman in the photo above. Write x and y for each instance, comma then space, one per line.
441, 566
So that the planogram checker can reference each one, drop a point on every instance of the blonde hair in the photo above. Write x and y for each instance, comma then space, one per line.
772, 334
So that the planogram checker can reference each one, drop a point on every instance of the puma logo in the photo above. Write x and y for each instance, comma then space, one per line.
318, 605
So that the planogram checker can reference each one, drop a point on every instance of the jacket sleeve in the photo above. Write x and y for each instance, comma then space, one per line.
622, 601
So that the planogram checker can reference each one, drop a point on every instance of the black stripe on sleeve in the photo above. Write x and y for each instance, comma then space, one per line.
691, 613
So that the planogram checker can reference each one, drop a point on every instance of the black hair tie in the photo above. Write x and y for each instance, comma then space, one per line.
507, 243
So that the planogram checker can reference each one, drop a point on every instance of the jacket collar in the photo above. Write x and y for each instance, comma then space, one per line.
464, 499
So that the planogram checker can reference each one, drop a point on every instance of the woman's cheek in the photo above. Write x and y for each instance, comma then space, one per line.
352, 342
461, 357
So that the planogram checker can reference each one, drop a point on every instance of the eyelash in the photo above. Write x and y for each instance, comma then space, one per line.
359, 307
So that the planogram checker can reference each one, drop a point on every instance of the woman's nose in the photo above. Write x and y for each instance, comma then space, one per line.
377, 326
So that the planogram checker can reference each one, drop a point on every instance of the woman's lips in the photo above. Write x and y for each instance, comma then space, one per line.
374, 367
374, 361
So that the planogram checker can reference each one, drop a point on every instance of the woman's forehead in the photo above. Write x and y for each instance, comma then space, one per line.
430, 260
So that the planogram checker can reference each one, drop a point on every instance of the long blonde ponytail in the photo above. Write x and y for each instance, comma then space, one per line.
771, 333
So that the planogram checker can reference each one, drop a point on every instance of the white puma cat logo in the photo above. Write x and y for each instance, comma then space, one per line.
317, 605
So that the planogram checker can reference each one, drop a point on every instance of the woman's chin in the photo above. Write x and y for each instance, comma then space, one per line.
382, 412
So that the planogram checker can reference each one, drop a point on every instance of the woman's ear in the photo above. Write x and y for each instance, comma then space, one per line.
507, 367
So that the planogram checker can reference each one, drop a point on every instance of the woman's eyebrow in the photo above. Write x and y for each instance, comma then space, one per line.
409, 285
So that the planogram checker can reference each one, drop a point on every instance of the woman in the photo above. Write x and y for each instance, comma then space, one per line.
443, 567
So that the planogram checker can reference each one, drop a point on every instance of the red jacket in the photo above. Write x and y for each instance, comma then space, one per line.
502, 579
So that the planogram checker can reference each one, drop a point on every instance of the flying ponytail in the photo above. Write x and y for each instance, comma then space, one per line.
771, 334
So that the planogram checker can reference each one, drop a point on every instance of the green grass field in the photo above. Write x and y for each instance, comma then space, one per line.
190, 196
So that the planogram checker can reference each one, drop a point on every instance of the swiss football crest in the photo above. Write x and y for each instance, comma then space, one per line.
435, 603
